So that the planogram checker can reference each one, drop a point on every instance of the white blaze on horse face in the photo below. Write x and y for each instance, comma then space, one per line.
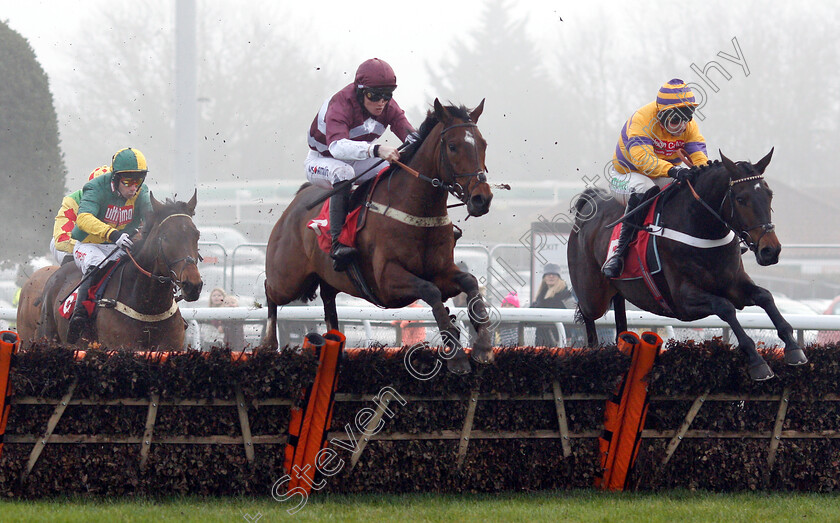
757, 185
469, 138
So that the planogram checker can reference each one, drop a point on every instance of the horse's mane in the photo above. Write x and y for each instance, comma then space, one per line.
457, 111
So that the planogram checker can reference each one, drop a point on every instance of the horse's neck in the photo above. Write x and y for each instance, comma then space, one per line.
416, 196
138, 290
700, 222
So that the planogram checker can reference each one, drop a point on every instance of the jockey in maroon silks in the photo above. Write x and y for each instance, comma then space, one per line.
342, 136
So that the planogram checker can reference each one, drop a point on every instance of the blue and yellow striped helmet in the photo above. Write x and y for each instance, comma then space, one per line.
674, 94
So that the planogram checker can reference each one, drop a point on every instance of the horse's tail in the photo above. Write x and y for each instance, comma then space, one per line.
578, 315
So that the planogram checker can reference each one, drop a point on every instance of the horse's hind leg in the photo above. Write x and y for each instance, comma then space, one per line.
330, 314
270, 338
620, 314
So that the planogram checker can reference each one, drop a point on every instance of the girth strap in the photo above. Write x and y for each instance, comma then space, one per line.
416, 221
139, 316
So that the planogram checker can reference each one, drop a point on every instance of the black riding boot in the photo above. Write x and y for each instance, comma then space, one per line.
613, 266
340, 253
80, 318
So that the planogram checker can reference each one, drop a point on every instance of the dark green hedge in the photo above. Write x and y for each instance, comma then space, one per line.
408, 466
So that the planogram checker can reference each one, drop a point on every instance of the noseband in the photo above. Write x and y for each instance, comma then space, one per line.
743, 233
456, 189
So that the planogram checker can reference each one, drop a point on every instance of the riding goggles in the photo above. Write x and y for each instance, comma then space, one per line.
131, 182
677, 115
375, 95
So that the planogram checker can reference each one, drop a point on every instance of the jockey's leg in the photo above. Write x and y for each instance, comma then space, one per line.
340, 253
615, 264
88, 257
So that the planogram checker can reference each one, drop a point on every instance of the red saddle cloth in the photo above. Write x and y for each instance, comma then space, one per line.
321, 226
639, 258
89, 301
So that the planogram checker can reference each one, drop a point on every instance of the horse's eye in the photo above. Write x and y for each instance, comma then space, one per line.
740, 200
451, 147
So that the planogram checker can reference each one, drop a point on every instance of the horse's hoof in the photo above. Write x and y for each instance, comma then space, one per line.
761, 372
459, 365
795, 357
483, 357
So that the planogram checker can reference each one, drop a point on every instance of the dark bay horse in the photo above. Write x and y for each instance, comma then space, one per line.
405, 248
695, 282
138, 309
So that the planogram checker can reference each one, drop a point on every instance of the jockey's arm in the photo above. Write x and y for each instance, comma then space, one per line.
695, 145
346, 149
646, 161
94, 227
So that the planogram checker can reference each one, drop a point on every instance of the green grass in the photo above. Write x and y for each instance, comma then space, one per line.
546, 506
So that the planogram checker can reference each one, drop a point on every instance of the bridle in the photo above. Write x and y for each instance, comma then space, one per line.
456, 189
186, 260
743, 233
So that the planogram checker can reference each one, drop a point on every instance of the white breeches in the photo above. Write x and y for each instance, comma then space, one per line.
325, 171
87, 255
623, 185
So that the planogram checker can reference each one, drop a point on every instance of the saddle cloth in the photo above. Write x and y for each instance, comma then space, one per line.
642, 254
352, 225
321, 226
97, 289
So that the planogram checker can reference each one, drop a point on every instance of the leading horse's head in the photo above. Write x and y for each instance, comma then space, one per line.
746, 207
170, 238
462, 151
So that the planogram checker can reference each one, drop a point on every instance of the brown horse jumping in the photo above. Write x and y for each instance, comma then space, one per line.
406, 246
695, 282
138, 309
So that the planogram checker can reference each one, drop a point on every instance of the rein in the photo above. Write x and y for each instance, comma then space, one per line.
743, 234
165, 279
455, 189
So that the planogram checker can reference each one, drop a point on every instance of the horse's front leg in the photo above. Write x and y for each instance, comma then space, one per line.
703, 304
328, 294
762, 297
403, 284
483, 346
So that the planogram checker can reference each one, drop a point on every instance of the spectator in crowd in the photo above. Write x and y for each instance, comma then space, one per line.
552, 294
234, 330
508, 333
217, 299
411, 335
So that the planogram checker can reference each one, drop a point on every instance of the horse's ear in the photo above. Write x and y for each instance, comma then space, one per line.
762, 164
192, 202
441, 113
156, 205
477, 111
729, 164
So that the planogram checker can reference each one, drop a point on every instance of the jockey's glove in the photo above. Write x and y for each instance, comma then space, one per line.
681, 174
121, 239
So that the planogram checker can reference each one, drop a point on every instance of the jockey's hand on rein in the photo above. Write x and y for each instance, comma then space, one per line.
121, 239
681, 174
386, 152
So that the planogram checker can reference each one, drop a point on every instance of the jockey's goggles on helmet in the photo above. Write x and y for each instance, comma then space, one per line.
375, 95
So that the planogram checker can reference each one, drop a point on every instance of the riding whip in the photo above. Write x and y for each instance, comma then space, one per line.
344, 183
684, 157
89, 274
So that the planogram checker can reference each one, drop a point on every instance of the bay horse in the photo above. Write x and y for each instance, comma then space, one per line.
406, 247
138, 309
694, 282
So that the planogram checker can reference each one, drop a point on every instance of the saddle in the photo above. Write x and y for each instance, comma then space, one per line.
97, 289
642, 255
355, 221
